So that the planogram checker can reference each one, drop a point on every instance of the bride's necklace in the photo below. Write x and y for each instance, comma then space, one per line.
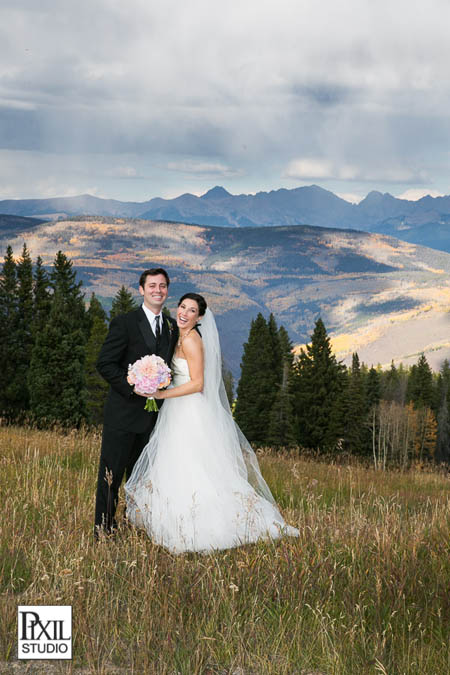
181, 338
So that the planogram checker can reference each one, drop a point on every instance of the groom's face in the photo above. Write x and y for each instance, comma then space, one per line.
154, 292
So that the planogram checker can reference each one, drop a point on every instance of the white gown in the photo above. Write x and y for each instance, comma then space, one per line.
188, 490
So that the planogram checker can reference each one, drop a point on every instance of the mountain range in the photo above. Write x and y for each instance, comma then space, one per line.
425, 222
382, 297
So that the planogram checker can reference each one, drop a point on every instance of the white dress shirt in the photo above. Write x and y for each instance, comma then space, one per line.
152, 319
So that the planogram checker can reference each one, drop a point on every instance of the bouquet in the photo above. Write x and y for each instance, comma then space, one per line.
149, 373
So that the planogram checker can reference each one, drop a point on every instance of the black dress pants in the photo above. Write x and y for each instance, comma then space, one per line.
120, 452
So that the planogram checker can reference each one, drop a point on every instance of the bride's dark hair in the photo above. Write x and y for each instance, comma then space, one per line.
199, 299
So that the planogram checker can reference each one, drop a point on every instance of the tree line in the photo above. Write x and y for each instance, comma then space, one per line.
394, 416
50, 340
49, 343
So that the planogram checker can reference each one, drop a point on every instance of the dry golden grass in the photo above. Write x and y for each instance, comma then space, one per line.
364, 589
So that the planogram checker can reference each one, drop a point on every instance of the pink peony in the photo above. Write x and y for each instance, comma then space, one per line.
149, 373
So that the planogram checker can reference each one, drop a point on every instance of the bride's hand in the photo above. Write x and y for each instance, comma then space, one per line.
142, 393
158, 394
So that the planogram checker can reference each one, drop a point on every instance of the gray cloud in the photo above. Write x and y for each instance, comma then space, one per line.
352, 84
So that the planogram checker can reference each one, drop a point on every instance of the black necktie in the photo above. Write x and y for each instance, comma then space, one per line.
157, 328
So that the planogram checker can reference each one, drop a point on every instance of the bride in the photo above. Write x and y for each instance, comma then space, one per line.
197, 484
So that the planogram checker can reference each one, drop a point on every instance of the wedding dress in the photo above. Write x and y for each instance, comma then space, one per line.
197, 484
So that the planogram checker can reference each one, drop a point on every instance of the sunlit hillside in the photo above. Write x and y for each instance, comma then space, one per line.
377, 295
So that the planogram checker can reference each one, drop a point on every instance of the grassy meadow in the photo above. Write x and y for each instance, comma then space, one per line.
364, 589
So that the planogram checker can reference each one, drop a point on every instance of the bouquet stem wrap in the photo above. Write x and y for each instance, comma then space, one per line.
150, 405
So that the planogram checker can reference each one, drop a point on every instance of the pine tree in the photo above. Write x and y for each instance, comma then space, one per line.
275, 346
391, 385
442, 383
394, 383
317, 386
334, 438
64, 277
123, 302
228, 383
56, 376
443, 432
281, 422
96, 386
42, 299
8, 333
257, 386
355, 417
95, 310
373, 388
285, 347
443, 414
24, 334
420, 390
403, 374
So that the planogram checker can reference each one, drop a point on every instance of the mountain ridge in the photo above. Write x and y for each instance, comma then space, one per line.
424, 222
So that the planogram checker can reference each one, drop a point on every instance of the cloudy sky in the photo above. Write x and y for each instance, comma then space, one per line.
138, 99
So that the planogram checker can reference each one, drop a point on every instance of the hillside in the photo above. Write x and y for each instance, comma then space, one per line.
425, 222
377, 295
11, 226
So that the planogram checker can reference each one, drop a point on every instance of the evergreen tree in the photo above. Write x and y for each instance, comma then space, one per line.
281, 422
390, 390
228, 383
96, 386
334, 438
257, 386
443, 432
56, 377
95, 310
355, 417
285, 347
123, 302
275, 346
63, 279
8, 333
442, 384
403, 375
373, 388
41, 297
24, 334
317, 386
420, 389
443, 414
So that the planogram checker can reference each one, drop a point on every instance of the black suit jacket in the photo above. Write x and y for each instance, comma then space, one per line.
129, 338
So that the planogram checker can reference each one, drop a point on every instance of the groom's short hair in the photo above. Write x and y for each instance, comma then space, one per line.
153, 272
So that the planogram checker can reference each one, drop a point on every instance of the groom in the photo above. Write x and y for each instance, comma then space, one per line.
127, 426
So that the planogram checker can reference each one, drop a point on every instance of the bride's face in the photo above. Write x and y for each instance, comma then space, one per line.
187, 314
